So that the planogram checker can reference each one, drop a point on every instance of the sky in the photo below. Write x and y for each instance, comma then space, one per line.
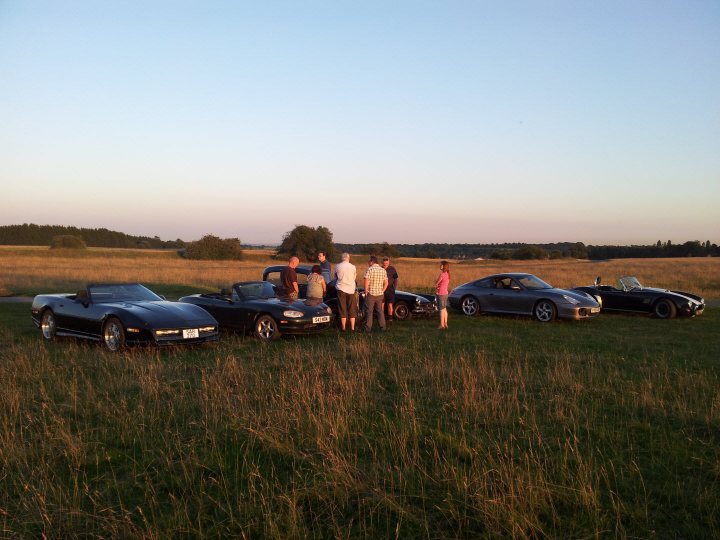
391, 121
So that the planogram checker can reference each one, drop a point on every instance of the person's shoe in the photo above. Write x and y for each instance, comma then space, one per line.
383, 328
368, 330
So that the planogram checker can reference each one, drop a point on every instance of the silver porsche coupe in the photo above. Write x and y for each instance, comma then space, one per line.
522, 294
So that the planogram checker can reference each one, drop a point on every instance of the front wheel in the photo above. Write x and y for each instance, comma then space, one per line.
47, 325
113, 335
401, 311
545, 311
664, 309
266, 328
470, 306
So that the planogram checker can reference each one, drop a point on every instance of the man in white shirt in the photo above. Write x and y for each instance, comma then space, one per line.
346, 274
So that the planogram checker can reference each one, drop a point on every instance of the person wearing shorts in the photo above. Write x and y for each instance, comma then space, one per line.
389, 294
442, 285
345, 286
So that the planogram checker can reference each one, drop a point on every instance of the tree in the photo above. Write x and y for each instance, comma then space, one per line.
67, 241
212, 247
306, 242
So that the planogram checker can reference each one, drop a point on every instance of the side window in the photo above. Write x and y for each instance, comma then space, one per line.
484, 283
274, 278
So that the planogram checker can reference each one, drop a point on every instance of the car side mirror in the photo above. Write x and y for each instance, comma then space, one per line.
162, 296
598, 281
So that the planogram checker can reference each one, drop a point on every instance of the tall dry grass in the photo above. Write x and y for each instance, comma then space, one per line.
506, 433
42, 270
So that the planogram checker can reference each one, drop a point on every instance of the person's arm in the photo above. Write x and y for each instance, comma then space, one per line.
296, 287
438, 281
324, 287
385, 283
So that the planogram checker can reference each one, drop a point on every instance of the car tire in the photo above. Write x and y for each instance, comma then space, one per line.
401, 311
664, 309
266, 328
545, 311
470, 306
113, 335
47, 325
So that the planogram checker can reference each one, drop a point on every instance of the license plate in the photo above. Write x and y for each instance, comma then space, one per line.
191, 333
595, 310
324, 318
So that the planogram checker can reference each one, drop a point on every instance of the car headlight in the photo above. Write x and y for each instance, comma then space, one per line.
570, 300
328, 310
292, 314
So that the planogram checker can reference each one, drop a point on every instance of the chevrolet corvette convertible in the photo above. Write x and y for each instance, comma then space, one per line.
522, 294
252, 306
121, 314
406, 306
630, 296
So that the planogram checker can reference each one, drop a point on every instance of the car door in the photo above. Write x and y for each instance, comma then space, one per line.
509, 297
79, 315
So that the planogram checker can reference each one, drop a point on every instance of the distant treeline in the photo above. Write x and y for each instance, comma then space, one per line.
42, 235
516, 250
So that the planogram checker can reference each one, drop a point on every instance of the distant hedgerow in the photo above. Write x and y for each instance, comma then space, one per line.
213, 247
67, 241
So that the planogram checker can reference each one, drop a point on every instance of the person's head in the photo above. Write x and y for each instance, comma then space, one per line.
386, 262
372, 260
293, 262
316, 269
345, 257
321, 256
445, 266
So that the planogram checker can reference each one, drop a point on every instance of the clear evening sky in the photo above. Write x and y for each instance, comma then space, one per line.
398, 121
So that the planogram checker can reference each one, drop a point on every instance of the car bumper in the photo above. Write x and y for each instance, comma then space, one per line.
424, 310
304, 325
577, 312
692, 310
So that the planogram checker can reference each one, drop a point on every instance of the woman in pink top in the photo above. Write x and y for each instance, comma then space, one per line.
442, 284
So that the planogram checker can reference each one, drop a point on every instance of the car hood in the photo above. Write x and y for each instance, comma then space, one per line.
687, 296
167, 314
577, 295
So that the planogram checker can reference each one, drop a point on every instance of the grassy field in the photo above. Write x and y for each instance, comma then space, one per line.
499, 427
35, 270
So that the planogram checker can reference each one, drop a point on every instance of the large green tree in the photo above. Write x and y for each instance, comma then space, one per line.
305, 242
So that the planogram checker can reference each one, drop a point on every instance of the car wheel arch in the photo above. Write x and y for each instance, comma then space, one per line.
544, 310
664, 308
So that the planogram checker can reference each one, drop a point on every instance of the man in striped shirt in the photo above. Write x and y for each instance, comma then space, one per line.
376, 281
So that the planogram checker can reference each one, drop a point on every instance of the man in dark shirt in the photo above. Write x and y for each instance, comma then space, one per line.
392, 276
288, 279
324, 266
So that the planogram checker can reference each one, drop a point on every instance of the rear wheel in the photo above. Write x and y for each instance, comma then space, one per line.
401, 311
470, 306
545, 311
47, 325
113, 335
664, 309
266, 328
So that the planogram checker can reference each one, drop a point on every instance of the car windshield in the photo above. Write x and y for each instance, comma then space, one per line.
256, 290
628, 283
532, 283
122, 293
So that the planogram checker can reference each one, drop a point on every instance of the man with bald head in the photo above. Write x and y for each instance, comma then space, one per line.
288, 280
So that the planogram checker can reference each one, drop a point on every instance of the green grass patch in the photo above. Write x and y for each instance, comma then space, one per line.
499, 427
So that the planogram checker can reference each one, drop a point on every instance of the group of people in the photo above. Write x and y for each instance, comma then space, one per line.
380, 282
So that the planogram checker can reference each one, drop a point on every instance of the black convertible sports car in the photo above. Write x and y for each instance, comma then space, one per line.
630, 296
122, 314
406, 306
254, 306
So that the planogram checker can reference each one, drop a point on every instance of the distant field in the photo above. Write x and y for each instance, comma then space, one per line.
33, 270
500, 427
